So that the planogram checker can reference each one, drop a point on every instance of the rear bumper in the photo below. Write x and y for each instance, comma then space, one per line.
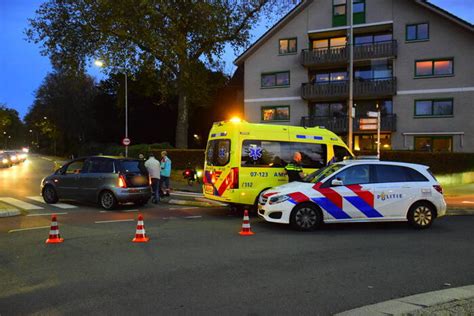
132, 194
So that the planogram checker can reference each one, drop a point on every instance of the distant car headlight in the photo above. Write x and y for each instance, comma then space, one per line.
278, 199
13, 158
5, 161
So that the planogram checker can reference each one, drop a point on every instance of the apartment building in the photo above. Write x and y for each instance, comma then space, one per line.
413, 61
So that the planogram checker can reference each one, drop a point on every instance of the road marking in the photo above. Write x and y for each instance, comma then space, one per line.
115, 221
182, 193
183, 208
130, 210
58, 205
47, 214
103, 212
468, 202
20, 204
196, 216
23, 229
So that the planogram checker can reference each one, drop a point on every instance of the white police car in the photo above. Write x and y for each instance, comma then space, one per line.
357, 191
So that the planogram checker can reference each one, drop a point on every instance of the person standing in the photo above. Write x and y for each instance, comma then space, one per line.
294, 170
165, 173
153, 167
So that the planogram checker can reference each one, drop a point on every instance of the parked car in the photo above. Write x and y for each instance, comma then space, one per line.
357, 191
106, 180
5, 161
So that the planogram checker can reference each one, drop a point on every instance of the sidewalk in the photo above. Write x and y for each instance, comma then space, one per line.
460, 199
455, 301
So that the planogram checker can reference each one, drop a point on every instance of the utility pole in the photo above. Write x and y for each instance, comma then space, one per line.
126, 111
350, 105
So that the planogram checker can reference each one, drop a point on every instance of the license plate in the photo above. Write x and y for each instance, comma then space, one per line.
209, 189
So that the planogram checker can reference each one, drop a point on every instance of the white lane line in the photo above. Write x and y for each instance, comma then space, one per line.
58, 205
182, 193
20, 204
196, 216
115, 221
47, 214
171, 217
103, 212
468, 202
130, 210
31, 228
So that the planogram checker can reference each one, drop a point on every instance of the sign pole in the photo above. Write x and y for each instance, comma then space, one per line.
378, 131
351, 80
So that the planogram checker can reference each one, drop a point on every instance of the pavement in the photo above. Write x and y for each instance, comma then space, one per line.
455, 301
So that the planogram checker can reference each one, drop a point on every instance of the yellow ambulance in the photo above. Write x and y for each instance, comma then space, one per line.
244, 159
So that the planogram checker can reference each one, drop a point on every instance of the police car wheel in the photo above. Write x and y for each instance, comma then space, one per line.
421, 215
306, 217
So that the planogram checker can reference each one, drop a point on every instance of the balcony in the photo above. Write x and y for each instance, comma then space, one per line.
325, 56
372, 88
339, 124
340, 54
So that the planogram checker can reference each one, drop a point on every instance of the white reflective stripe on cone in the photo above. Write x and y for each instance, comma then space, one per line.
245, 225
246, 218
140, 223
140, 232
54, 232
54, 223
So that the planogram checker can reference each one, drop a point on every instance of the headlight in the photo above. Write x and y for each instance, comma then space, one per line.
199, 173
5, 160
278, 199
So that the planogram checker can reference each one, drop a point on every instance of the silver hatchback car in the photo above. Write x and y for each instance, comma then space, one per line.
104, 179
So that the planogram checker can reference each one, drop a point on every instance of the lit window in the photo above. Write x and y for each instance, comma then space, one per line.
434, 68
434, 144
275, 113
287, 46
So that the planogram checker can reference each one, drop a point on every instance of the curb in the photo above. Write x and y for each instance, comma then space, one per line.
414, 303
9, 212
459, 212
190, 203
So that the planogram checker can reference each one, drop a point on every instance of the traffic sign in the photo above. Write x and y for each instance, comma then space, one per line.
126, 141
368, 127
367, 121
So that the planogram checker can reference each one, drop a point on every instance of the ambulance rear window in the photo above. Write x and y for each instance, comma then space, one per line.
218, 152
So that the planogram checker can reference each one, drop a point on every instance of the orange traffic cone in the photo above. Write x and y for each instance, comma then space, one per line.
54, 237
140, 235
246, 225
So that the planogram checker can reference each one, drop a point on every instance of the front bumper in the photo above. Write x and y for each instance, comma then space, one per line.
276, 213
132, 194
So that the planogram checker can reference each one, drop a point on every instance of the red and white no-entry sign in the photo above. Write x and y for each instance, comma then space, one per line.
126, 141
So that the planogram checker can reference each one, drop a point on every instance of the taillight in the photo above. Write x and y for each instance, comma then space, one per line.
187, 172
234, 178
438, 188
121, 182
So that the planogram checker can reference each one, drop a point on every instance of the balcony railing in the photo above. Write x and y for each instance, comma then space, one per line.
340, 54
339, 124
340, 89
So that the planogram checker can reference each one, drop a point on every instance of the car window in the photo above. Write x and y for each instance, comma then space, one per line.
340, 152
74, 167
359, 174
415, 176
391, 173
100, 165
322, 173
131, 166
218, 152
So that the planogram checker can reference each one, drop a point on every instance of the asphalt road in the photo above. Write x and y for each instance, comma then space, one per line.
196, 263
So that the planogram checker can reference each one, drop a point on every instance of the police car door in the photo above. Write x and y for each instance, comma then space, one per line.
394, 191
349, 194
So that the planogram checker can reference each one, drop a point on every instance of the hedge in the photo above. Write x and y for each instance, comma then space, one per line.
439, 163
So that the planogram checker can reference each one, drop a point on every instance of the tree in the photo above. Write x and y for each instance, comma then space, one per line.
12, 130
173, 36
62, 112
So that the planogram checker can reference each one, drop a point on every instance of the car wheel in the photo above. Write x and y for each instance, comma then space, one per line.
49, 195
107, 200
421, 215
306, 217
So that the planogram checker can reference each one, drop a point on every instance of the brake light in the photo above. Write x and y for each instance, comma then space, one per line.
234, 178
438, 188
187, 172
121, 182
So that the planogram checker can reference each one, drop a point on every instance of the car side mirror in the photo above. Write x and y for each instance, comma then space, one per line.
336, 182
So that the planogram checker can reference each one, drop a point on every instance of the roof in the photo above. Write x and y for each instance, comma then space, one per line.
304, 3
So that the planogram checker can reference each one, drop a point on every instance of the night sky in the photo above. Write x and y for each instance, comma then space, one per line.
23, 68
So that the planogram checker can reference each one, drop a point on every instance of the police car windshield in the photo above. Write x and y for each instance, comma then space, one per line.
322, 173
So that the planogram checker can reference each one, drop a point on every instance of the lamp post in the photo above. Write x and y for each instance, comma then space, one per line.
100, 63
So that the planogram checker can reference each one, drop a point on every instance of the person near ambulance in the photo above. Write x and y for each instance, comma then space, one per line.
165, 173
294, 170
154, 169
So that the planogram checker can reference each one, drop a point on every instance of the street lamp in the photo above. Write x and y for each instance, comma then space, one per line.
100, 63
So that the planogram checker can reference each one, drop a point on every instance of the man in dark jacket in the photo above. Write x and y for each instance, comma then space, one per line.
294, 169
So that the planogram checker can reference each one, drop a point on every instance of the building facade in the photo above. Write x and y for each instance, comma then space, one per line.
412, 62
